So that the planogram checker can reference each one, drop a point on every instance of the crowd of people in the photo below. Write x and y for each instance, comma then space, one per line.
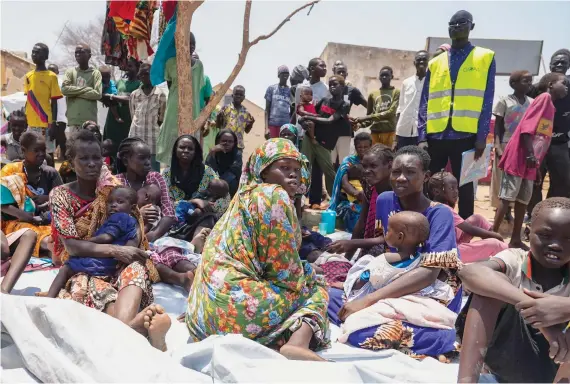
138, 204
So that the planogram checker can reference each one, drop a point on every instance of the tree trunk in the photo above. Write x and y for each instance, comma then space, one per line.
184, 66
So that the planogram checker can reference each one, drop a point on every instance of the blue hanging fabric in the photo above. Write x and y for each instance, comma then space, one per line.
166, 49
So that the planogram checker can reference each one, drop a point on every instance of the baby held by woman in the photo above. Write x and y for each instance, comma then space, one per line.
405, 234
120, 228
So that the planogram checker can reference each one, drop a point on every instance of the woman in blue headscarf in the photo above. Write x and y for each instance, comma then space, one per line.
342, 189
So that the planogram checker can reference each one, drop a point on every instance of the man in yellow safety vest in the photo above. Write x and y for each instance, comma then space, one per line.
456, 104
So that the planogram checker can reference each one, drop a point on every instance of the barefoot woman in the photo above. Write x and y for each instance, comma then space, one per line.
78, 209
251, 279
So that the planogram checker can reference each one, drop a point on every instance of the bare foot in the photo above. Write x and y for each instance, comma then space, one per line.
293, 352
200, 239
181, 318
157, 326
518, 244
138, 322
188, 280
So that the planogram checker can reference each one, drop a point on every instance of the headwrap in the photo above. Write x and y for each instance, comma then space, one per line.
282, 69
299, 74
265, 155
293, 129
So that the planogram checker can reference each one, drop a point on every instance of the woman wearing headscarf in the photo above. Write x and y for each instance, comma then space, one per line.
251, 279
225, 158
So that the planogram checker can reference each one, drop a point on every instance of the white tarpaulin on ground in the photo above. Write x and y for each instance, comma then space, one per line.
51, 340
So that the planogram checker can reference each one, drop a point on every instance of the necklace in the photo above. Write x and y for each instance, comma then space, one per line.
36, 180
129, 184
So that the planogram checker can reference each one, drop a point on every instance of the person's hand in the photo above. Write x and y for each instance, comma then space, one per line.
149, 213
248, 128
544, 310
340, 246
127, 254
205, 131
352, 307
37, 220
531, 161
559, 343
40, 199
538, 179
119, 120
498, 152
51, 131
267, 134
423, 145
498, 236
361, 196
217, 148
394, 145
479, 149
202, 204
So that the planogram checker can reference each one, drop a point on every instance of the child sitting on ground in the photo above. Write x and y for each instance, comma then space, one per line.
307, 108
444, 189
520, 307
120, 228
186, 210
407, 231
524, 153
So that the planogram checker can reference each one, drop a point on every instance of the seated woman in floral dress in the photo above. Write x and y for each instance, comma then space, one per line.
251, 279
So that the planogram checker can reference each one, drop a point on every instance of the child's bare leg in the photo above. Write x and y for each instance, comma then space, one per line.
297, 348
64, 274
199, 239
479, 326
563, 374
170, 276
186, 269
516, 242
500, 214
19, 260
157, 325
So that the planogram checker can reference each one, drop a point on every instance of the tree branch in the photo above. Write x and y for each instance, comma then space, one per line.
288, 18
245, 46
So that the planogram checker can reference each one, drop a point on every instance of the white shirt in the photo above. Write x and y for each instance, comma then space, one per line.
409, 106
61, 106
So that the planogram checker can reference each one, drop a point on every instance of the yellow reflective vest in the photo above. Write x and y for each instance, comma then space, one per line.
462, 100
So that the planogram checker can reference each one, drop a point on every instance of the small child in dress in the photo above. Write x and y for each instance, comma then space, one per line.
443, 188
406, 232
120, 228
150, 195
355, 174
107, 152
307, 108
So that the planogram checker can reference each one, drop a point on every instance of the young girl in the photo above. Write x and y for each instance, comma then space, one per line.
120, 228
443, 188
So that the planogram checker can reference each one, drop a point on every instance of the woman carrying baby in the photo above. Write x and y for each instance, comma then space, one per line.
170, 256
78, 210
437, 265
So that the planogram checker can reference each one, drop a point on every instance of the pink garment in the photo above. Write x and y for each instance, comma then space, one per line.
478, 250
169, 257
537, 121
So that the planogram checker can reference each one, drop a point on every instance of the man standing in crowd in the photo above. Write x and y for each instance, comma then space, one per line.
42, 92
353, 96
557, 160
381, 111
236, 117
456, 104
61, 120
277, 104
83, 87
407, 112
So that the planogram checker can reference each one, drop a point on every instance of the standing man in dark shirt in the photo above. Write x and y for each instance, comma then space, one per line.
557, 160
333, 118
354, 97
456, 104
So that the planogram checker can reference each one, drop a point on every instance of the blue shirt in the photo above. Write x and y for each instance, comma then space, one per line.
280, 100
456, 59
